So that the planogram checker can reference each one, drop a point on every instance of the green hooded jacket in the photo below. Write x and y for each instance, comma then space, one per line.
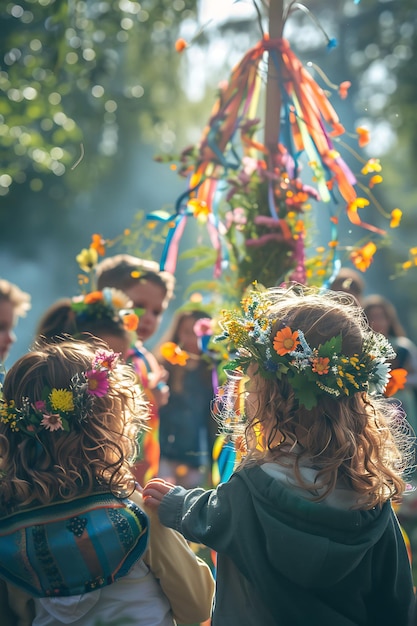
285, 560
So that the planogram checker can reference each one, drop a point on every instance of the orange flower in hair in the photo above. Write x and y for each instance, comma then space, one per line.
93, 297
285, 341
320, 365
130, 321
397, 380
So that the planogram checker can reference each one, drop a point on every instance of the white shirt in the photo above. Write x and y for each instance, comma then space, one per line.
136, 599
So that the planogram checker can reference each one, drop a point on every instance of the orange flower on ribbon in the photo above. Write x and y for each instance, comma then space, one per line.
372, 165
97, 243
321, 365
375, 180
398, 378
396, 216
363, 136
344, 88
352, 209
130, 321
363, 257
93, 297
285, 341
174, 354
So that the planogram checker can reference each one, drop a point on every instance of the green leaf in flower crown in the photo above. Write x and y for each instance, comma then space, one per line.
331, 347
305, 390
283, 369
65, 424
78, 306
233, 365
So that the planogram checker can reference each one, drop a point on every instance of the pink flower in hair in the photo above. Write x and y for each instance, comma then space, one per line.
105, 359
203, 326
97, 382
39, 405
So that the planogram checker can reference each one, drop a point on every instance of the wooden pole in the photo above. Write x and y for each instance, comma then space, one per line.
273, 94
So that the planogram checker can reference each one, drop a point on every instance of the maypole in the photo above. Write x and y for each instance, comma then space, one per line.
251, 193
273, 93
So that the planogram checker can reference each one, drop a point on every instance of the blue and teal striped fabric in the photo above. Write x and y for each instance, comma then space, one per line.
72, 547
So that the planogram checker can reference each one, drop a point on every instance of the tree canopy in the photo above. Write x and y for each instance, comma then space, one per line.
76, 79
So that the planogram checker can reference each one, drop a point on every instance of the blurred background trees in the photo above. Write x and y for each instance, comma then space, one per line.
91, 91
81, 82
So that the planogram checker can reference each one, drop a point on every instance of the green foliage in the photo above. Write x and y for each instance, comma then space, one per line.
76, 78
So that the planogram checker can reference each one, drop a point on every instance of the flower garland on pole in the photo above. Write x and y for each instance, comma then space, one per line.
250, 194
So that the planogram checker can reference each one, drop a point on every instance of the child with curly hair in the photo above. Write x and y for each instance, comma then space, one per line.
304, 529
77, 544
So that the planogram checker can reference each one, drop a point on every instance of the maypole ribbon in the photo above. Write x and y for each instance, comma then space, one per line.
309, 125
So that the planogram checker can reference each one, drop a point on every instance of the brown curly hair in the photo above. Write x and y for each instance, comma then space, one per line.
94, 455
358, 441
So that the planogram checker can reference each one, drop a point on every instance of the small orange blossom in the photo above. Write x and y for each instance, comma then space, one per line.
363, 257
174, 354
321, 365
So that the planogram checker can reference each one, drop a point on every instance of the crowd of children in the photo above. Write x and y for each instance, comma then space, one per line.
105, 452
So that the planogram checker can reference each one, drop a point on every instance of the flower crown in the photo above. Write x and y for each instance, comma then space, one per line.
59, 409
311, 372
110, 304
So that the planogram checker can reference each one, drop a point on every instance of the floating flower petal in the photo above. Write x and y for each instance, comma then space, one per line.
98, 244
181, 45
396, 216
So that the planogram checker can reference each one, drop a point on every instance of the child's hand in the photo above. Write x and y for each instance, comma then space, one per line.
161, 394
159, 387
154, 491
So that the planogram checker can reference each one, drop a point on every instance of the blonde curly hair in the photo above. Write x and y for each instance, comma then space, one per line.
95, 455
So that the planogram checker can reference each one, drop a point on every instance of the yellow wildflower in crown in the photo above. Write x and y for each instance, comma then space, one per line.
310, 371
62, 400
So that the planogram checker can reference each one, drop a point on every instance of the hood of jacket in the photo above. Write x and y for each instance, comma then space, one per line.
318, 545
